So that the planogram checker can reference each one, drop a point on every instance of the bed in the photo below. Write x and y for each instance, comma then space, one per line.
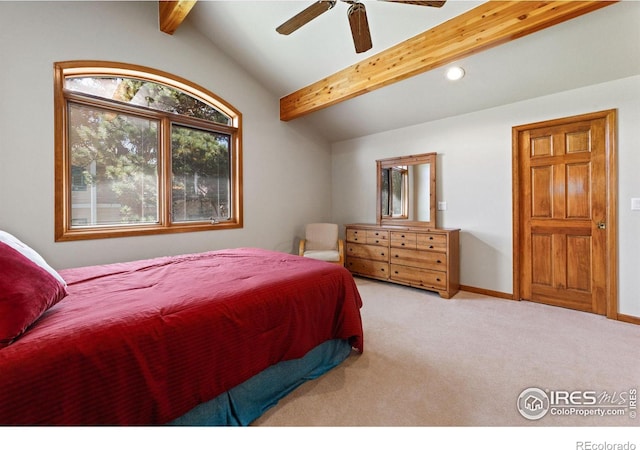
213, 338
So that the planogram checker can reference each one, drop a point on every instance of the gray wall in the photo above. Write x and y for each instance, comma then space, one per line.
287, 168
474, 178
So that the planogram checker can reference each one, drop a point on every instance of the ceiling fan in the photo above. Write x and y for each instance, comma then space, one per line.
356, 14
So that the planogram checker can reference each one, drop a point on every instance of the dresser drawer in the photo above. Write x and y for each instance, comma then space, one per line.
377, 237
402, 239
366, 251
429, 241
419, 277
372, 237
377, 269
357, 236
420, 259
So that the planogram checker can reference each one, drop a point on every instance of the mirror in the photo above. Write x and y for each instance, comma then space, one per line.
406, 188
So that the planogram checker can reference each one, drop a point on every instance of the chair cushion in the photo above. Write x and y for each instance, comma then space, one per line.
324, 255
321, 236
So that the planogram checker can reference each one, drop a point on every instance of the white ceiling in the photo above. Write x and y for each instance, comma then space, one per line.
600, 46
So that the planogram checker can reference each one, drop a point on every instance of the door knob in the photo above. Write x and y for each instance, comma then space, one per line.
602, 225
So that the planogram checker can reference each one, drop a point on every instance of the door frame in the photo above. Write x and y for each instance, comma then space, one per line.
611, 165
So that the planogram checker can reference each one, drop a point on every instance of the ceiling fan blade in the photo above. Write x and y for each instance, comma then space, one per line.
305, 16
359, 27
434, 4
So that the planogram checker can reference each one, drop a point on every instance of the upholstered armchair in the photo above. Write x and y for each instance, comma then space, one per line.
321, 242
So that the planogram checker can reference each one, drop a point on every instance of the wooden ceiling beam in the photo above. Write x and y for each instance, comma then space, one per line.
172, 13
488, 25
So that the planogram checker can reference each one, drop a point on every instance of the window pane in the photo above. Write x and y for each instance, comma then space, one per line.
114, 165
384, 198
116, 173
201, 169
148, 95
397, 188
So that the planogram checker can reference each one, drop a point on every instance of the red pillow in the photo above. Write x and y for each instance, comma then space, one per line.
26, 292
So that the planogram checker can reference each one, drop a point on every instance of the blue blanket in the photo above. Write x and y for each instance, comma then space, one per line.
249, 400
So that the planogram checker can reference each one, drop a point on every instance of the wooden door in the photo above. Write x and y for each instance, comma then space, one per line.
565, 213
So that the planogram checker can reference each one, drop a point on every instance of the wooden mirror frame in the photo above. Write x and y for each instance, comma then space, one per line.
411, 160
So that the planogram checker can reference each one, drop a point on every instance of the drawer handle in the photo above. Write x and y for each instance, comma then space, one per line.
382, 270
397, 256
431, 246
431, 238
396, 272
402, 244
439, 262
377, 241
437, 279
403, 235
381, 254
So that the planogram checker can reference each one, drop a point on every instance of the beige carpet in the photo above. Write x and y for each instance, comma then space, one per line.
464, 362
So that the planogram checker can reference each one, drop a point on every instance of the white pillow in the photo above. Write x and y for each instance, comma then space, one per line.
29, 253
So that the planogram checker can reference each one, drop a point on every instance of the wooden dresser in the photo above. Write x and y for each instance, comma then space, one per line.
426, 258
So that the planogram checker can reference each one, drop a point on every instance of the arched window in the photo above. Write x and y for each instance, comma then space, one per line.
139, 151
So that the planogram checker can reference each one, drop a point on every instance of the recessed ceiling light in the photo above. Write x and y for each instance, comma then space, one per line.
455, 73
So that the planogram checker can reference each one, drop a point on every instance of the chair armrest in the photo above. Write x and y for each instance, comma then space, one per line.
301, 247
341, 250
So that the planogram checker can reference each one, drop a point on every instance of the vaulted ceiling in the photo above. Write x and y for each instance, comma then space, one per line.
510, 51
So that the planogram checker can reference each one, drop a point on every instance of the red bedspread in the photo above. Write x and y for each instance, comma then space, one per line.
144, 342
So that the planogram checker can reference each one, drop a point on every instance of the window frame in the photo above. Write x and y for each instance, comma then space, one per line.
63, 171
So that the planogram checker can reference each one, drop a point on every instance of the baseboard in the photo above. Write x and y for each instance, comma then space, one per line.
488, 292
627, 318
621, 317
